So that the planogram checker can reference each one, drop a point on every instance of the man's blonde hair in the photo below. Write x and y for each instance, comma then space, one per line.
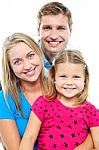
54, 8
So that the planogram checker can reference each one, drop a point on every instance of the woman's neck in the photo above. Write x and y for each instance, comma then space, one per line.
30, 86
32, 90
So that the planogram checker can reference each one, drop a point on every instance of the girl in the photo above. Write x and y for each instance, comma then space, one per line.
63, 118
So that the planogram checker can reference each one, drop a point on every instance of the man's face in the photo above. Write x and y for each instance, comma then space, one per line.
54, 32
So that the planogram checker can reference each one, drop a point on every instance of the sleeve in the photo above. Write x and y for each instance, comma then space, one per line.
94, 118
5, 112
38, 108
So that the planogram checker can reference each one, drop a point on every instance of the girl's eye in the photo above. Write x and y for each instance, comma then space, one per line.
76, 77
62, 76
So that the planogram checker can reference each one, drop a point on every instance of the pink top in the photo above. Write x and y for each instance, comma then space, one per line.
63, 127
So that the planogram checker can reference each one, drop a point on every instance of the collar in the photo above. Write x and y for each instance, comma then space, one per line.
47, 64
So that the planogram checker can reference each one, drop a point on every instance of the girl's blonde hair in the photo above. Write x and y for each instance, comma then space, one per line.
70, 56
10, 82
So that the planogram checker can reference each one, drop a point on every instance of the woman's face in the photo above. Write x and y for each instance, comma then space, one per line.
25, 63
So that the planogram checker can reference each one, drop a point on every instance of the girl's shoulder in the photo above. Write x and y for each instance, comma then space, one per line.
90, 105
44, 99
90, 108
40, 100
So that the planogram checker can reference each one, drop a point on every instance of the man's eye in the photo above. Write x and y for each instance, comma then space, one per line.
61, 28
46, 28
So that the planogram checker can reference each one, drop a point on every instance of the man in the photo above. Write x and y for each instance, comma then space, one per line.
54, 29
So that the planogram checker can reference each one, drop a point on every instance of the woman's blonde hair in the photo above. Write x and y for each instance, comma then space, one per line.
10, 82
70, 56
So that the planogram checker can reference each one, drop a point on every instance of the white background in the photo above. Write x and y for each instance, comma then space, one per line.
20, 16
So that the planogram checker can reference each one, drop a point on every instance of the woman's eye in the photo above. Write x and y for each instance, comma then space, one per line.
17, 62
31, 55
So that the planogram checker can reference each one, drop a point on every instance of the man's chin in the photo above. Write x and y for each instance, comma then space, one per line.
54, 50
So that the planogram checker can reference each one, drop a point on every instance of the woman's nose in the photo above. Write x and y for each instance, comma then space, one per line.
27, 64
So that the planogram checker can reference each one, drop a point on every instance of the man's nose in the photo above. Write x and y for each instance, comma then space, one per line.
54, 34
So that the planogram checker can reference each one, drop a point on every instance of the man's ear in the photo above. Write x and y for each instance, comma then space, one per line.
70, 31
38, 31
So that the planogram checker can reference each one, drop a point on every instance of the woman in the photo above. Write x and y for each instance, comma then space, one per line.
23, 82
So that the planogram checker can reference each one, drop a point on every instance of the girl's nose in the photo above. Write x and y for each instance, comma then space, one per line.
69, 81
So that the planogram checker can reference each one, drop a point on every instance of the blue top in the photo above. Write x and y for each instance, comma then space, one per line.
47, 64
9, 111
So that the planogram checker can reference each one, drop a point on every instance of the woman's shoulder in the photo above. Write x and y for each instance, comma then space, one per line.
1, 95
1, 92
5, 111
6, 99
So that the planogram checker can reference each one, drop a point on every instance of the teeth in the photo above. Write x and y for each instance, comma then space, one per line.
54, 42
30, 72
69, 89
34, 68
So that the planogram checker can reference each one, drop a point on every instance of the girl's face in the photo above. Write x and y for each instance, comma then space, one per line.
25, 63
69, 80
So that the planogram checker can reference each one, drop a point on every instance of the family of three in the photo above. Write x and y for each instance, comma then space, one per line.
40, 112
